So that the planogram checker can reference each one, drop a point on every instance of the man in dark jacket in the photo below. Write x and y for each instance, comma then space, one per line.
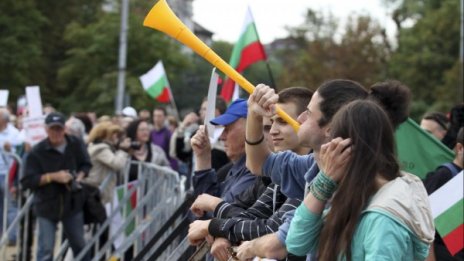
53, 168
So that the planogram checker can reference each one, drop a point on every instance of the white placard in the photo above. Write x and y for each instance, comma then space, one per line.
34, 102
35, 129
211, 104
4, 98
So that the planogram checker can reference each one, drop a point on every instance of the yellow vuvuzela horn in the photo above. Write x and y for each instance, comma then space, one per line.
163, 19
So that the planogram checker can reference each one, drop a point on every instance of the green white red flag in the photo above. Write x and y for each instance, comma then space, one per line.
448, 212
155, 83
247, 50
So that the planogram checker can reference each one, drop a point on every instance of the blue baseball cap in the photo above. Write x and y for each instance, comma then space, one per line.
236, 110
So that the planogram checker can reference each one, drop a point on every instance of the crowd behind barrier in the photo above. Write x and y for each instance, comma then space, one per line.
138, 213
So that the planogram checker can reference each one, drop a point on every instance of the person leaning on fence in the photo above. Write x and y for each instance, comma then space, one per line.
108, 154
232, 223
142, 149
238, 178
387, 218
52, 169
294, 172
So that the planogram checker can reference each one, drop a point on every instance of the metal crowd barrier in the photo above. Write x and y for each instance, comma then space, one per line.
159, 192
6, 230
155, 248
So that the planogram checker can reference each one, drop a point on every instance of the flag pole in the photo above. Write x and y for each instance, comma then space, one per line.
171, 96
461, 58
173, 103
270, 75
122, 56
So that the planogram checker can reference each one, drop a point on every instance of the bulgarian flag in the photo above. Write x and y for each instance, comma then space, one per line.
418, 151
247, 50
119, 218
155, 83
448, 213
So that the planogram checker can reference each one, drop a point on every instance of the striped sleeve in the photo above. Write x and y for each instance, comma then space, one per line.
240, 229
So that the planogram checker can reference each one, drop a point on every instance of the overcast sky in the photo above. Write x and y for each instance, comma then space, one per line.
225, 17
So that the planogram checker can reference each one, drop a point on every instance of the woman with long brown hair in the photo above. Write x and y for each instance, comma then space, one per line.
376, 211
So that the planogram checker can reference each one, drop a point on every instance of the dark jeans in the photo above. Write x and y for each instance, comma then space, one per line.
73, 228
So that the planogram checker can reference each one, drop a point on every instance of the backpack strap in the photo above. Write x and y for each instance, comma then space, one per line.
450, 166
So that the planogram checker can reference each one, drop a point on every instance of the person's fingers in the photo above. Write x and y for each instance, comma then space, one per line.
259, 92
324, 148
224, 255
269, 98
196, 141
219, 253
196, 211
342, 145
345, 155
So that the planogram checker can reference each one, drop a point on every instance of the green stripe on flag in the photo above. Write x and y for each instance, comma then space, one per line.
120, 192
156, 89
249, 36
418, 151
450, 219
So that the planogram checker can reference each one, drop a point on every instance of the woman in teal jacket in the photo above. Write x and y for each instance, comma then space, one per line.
377, 212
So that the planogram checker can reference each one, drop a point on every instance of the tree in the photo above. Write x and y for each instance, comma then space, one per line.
427, 55
90, 69
20, 45
316, 56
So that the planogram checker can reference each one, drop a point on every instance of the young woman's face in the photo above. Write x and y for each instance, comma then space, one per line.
143, 133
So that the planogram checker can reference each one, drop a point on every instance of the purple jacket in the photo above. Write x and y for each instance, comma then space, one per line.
161, 138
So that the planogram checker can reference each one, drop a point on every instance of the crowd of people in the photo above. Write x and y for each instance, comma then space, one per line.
333, 190
82, 150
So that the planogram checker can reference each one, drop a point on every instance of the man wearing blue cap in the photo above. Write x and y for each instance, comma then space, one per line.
239, 177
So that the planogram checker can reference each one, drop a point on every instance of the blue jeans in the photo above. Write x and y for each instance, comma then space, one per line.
73, 229
12, 210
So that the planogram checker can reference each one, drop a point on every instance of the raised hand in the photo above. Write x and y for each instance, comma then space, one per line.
263, 100
334, 157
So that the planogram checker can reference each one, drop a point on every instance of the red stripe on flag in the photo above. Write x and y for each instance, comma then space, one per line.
133, 197
252, 53
227, 90
454, 241
164, 97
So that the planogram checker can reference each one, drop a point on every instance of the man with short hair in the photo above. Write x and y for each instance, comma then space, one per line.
52, 170
161, 135
435, 123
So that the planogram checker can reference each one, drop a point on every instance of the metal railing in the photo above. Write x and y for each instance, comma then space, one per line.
154, 248
158, 191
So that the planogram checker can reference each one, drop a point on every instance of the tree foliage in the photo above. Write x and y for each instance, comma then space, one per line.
427, 55
70, 49
21, 45
361, 54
